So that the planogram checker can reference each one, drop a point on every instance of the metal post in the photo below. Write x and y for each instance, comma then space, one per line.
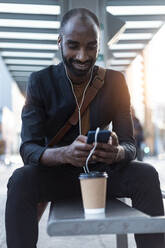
122, 241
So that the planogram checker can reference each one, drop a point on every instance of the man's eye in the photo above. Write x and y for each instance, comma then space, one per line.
92, 47
72, 46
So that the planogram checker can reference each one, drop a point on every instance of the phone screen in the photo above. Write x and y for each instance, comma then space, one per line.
103, 136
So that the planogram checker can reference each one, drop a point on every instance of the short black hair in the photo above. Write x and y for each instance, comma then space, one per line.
78, 11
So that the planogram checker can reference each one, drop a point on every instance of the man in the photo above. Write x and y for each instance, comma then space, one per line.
52, 173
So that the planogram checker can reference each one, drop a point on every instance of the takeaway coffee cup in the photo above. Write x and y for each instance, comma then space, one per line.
93, 191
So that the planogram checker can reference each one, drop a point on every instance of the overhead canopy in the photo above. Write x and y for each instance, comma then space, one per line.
29, 30
143, 19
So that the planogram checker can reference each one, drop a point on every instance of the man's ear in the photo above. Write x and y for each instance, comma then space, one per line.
59, 41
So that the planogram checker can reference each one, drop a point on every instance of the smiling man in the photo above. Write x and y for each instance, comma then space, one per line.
79, 54
51, 173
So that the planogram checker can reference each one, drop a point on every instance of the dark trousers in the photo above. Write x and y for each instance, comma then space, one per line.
29, 185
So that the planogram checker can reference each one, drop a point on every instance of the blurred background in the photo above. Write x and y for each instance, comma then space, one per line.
132, 41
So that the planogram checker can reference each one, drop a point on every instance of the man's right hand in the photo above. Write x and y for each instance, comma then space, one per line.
77, 152
74, 154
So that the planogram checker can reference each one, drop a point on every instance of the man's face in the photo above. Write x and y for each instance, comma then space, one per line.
79, 45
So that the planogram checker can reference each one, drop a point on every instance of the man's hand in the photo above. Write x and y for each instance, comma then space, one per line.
110, 152
77, 153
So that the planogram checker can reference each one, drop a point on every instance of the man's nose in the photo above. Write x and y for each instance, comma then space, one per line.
82, 55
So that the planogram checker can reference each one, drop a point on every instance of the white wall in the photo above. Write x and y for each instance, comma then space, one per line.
11, 103
134, 76
18, 101
5, 86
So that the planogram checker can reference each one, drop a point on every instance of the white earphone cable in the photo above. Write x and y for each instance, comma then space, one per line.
86, 169
92, 151
83, 96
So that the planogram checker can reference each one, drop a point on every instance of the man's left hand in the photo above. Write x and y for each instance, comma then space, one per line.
109, 153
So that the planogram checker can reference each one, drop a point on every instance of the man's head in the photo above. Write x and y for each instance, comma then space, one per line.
79, 41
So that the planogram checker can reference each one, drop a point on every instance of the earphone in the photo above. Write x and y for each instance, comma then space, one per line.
86, 169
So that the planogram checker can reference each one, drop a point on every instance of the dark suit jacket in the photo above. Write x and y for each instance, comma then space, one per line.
50, 102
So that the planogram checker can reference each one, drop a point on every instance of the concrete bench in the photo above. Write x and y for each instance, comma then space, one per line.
67, 218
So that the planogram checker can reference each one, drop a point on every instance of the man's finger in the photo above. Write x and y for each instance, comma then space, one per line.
105, 155
104, 160
115, 141
107, 147
82, 154
82, 138
84, 147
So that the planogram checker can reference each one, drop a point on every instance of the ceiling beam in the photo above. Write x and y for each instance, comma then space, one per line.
21, 73
27, 50
135, 2
52, 42
123, 58
142, 17
126, 50
141, 30
26, 58
30, 30
30, 17
133, 41
25, 68
15, 72
8, 64
127, 64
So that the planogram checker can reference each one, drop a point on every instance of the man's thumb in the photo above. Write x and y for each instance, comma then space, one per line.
82, 138
115, 141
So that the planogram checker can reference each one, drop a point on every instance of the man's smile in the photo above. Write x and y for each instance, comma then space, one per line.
81, 66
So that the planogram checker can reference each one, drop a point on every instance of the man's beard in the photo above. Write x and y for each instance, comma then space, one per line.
75, 71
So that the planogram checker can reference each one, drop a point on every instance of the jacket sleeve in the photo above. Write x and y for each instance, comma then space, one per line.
122, 123
33, 124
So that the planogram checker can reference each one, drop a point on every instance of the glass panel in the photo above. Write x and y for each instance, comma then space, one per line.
27, 54
136, 36
127, 46
136, 10
28, 46
29, 8
124, 55
27, 62
24, 68
29, 23
120, 62
143, 24
31, 36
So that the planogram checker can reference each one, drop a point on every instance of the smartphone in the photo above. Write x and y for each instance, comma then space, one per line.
103, 136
